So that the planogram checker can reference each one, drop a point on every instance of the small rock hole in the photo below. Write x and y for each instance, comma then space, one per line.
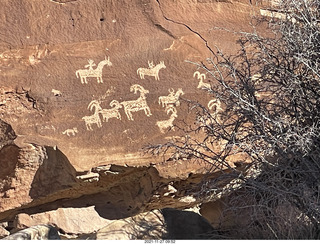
101, 19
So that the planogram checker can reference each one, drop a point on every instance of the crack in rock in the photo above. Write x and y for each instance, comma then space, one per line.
62, 1
185, 25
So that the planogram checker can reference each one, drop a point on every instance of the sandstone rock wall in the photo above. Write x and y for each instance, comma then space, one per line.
85, 84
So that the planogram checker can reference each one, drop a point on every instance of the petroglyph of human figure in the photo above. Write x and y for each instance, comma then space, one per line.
137, 105
90, 72
70, 132
215, 104
168, 124
151, 70
201, 78
94, 118
172, 98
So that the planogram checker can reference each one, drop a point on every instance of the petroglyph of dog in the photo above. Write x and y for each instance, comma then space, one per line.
70, 132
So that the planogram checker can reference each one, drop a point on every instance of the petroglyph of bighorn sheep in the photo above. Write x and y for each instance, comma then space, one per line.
172, 98
168, 124
201, 77
70, 132
56, 93
90, 72
136, 105
94, 118
106, 113
151, 70
111, 113
215, 104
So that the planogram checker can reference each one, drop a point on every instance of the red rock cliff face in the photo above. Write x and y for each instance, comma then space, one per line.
90, 80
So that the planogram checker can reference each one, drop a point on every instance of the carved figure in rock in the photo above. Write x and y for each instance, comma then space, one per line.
150, 64
90, 72
215, 104
152, 70
69, 132
56, 93
172, 98
137, 105
201, 78
111, 113
90, 66
94, 118
168, 124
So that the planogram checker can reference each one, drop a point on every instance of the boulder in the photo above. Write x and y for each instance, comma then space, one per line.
3, 232
158, 224
38, 232
74, 221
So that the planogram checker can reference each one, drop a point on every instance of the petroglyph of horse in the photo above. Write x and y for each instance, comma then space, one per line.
151, 70
168, 124
172, 98
137, 105
90, 72
201, 78
70, 132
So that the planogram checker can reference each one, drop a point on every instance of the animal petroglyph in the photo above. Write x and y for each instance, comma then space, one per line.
137, 105
112, 112
172, 98
56, 93
106, 113
201, 78
70, 132
151, 70
94, 118
168, 124
90, 72
215, 104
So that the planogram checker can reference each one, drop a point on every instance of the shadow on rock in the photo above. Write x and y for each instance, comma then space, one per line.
186, 225
56, 173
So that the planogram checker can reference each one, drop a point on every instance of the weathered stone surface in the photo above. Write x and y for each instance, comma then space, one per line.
39, 232
3, 232
56, 39
67, 220
7, 134
158, 224
65, 143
